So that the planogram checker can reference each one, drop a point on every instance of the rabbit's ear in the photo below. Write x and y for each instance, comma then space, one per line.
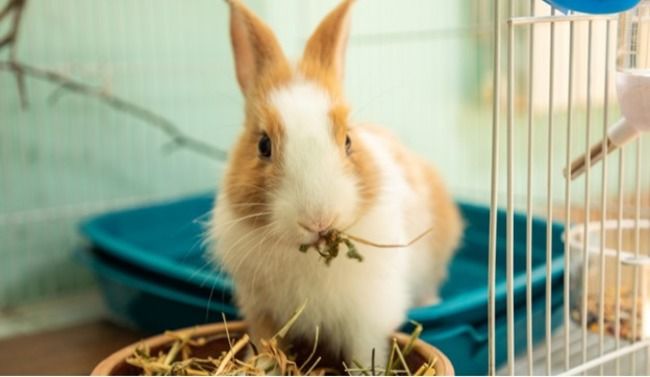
325, 50
256, 50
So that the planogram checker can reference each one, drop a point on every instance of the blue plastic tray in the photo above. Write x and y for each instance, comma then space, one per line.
165, 240
147, 303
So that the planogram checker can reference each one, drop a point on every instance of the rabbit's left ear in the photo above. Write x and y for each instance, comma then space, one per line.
325, 51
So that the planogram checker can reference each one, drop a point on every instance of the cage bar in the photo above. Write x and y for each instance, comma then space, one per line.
496, 92
529, 196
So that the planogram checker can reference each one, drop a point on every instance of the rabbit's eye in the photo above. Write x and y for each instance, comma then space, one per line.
264, 147
348, 144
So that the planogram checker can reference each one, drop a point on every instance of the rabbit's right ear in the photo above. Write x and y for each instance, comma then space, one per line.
257, 52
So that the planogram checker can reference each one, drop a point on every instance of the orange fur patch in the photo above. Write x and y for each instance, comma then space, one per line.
425, 180
249, 178
324, 55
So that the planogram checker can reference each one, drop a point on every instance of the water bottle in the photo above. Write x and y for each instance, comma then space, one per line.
632, 85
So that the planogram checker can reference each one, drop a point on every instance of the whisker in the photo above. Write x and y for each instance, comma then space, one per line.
267, 256
200, 217
228, 225
245, 204
226, 254
207, 309
250, 250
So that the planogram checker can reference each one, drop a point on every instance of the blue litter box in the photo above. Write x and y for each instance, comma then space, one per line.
153, 257
166, 239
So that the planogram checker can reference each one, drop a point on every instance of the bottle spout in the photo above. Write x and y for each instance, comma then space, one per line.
595, 154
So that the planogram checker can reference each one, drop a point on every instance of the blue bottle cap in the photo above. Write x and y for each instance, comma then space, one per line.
593, 6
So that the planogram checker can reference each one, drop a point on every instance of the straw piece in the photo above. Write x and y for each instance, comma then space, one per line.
241, 343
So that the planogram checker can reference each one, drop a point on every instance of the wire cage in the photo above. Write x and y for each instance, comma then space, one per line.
554, 97
128, 112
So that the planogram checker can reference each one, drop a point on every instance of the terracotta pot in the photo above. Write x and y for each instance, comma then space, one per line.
116, 364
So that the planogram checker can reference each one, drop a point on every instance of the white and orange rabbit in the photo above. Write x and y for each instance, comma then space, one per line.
300, 168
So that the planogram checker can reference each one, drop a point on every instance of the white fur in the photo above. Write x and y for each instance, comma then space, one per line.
356, 305
309, 192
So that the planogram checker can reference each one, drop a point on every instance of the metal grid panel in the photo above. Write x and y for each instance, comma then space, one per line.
612, 195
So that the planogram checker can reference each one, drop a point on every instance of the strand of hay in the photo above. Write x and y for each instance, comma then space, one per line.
328, 245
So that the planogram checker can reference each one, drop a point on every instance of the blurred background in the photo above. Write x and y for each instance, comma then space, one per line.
108, 104
421, 69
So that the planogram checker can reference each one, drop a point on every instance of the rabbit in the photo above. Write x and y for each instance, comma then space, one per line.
301, 168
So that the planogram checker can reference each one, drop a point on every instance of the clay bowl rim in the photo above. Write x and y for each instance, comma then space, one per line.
106, 366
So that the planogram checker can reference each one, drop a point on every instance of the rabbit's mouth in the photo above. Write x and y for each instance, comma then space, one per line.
330, 243
307, 235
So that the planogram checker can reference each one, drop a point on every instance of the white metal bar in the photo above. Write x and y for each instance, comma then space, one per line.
567, 207
603, 203
584, 367
555, 19
510, 210
549, 198
646, 10
619, 247
637, 251
494, 191
529, 196
646, 22
585, 252
635, 271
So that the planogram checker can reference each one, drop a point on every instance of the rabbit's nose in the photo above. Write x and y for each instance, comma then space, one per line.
319, 226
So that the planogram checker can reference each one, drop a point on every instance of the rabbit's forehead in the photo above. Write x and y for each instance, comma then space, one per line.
305, 111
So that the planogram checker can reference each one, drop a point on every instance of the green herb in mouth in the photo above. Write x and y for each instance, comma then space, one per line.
328, 246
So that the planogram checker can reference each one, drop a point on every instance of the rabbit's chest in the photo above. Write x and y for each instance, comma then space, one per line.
338, 292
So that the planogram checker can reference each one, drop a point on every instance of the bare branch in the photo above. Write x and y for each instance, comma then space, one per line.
5, 11
20, 84
6, 40
11, 40
166, 126
68, 84
19, 6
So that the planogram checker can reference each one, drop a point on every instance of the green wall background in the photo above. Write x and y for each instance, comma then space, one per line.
61, 162
420, 67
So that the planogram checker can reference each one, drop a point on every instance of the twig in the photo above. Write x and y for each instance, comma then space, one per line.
287, 326
19, 6
20, 70
241, 343
119, 104
311, 369
415, 335
11, 40
14, 5
361, 368
388, 246
313, 350
8, 6
403, 360
225, 325
391, 358
173, 352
